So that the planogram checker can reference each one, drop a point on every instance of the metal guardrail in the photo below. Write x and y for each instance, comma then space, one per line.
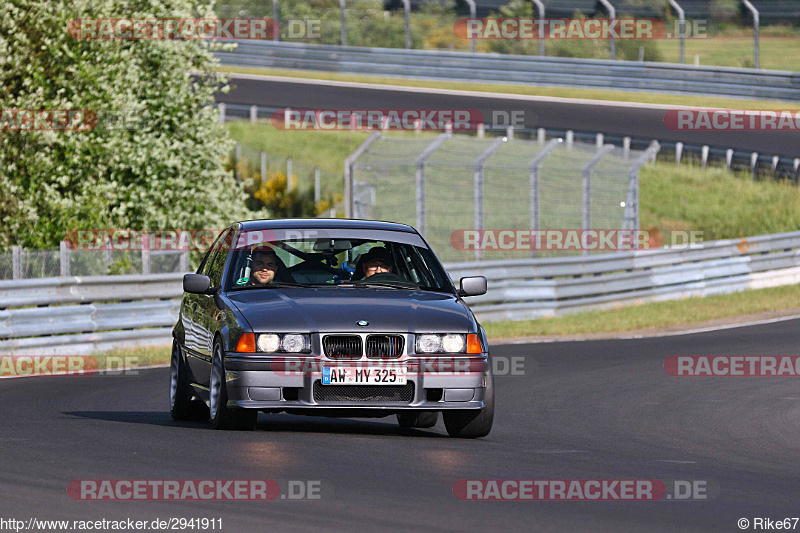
518, 289
558, 71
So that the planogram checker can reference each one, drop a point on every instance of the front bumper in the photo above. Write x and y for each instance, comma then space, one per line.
281, 383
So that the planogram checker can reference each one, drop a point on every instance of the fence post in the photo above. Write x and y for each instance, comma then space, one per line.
587, 188
145, 254
289, 174
612, 14
419, 176
407, 13
472, 16
756, 21
184, 261
276, 25
540, 7
317, 186
16, 262
478, 186
63, 250
348, 171
343, 23
238, 157
534, 185
681, 28
263, 166
221, 109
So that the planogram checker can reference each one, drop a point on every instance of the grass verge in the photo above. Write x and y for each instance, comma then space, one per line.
532, 90
113, 360
654, 316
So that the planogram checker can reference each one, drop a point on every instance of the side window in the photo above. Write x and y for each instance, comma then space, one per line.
218, 263
208, 260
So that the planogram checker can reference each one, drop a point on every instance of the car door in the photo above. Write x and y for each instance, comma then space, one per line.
198, 357
207, 312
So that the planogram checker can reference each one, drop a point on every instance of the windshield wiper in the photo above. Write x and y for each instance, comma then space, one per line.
406, 286
273, 285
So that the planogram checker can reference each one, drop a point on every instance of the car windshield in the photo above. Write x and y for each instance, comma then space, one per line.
341, 261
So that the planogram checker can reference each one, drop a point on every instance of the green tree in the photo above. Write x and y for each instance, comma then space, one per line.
155, 159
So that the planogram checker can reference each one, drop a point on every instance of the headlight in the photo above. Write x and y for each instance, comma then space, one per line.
293, 343
428, 343
453, 343
285, 343
269, 343
449, 343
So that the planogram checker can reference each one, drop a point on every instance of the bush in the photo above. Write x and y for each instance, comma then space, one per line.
163, 169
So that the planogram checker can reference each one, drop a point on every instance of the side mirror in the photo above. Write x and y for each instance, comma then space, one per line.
472, 286
196, 283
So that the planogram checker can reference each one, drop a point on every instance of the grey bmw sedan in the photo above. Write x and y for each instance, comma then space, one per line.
348, 318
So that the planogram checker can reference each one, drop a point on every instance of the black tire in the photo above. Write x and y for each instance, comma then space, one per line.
182, 405
223, 417
418, 419
472, 423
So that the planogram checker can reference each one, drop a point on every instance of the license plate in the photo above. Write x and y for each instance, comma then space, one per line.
338, 375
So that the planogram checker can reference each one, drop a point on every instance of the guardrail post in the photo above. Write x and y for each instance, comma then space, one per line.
541, 134
534, 184
348, 171
754, 165
276, 24
612, 14
407, 14
221, 109
16, 262
253, 114
678, 152
626, 147
63, 252
472, 16
775, 161
481, 130
570, 138
704, 155
510, 133
145, 254
343, 23
756, 23
599, 141
681, 28
587, 188
540, 7
728, 157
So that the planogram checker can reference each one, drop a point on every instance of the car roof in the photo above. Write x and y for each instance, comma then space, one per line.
323, 223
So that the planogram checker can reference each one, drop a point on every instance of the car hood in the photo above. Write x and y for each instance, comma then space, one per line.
338, 309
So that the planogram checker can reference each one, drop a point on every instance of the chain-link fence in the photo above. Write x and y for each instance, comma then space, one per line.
256, 167
450, 186
25, 263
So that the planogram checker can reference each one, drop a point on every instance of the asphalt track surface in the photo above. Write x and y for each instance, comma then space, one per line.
641, 121
583, 410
